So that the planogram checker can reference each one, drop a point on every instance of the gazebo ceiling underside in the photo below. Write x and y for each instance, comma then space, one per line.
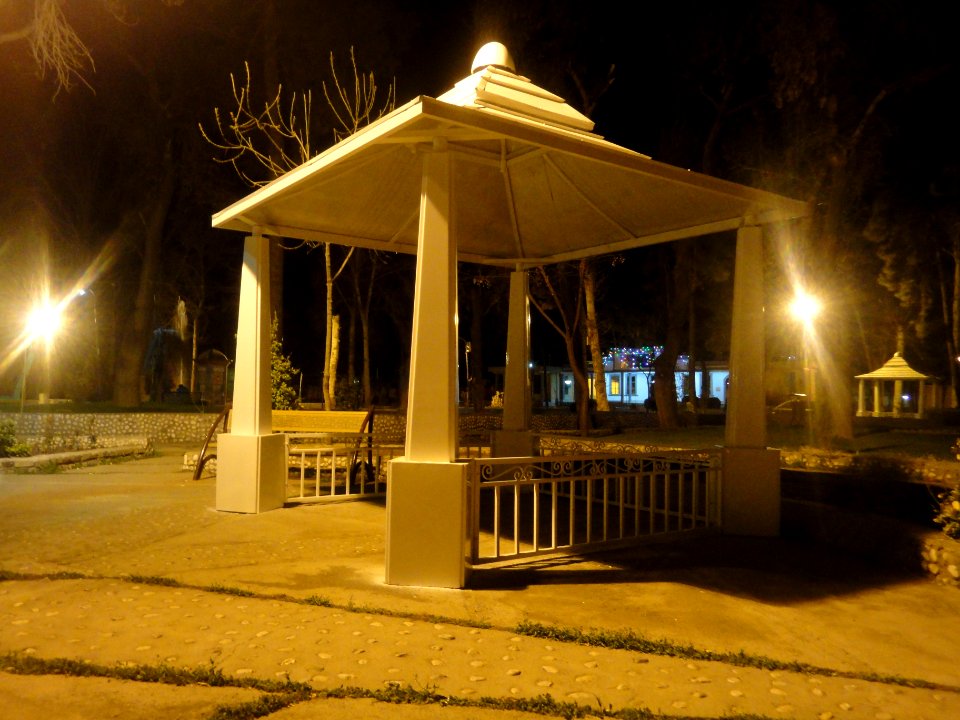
522, 192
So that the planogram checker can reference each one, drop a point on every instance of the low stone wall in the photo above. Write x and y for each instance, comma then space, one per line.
52, 432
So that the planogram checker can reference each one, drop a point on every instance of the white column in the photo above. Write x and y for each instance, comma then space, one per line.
751, 471
876, 398
515, 440
251, 460
746, 405
897, 398
426, 490
432, 394
861, 398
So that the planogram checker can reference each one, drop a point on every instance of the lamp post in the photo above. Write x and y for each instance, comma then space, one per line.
83, 292
805, 308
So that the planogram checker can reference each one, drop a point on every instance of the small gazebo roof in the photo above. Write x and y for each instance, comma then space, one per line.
896, 368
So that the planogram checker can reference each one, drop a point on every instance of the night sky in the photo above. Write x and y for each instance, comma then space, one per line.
692, 85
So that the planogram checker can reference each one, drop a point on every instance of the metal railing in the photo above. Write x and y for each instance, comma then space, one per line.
529, 506
344, 465
336, 466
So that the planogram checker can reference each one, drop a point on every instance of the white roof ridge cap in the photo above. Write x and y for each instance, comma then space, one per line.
494, 108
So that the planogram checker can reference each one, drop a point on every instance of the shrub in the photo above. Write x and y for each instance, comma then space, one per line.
949, 516
9, 447
282, 373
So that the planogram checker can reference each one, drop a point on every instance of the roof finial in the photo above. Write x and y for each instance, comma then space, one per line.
495, 54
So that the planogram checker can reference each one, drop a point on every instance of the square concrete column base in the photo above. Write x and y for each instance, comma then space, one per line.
251, 472
426, 524
750, 502
511, 443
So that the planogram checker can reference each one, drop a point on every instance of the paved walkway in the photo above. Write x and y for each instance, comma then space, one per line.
115, 524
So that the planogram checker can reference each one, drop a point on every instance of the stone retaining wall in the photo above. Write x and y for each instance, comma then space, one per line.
50, 432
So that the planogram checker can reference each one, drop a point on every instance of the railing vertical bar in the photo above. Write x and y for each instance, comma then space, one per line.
589, 482
653, 503
496, 521
516, 519
638, 493
553, 515
303, 475
666, 499
695, 501
622, 499
606, 506
536, 516
681, 497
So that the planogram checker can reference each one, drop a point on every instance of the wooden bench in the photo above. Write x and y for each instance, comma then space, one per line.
305, 430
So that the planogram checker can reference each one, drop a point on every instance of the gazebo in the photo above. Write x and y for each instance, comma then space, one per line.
898, 391
498, 171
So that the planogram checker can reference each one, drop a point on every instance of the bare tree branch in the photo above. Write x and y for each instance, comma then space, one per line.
54, 44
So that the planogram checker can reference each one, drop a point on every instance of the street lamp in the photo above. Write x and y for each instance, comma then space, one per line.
43, 322
805, 308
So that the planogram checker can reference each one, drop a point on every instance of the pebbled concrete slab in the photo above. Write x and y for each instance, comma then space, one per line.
787, 601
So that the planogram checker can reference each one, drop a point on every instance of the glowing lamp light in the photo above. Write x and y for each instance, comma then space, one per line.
44, 321
805, 307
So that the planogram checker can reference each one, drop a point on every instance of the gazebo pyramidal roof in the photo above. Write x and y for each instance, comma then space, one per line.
896, 368
532, 183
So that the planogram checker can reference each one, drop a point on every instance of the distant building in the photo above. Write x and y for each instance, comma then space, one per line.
629, 375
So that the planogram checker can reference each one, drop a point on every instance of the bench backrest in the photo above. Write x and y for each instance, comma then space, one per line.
319, 421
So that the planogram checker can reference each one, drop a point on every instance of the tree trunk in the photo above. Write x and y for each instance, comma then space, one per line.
955, 319
352, 349
271, 79
475, 366
593, 336
329, 401
581, 386
362, 299
330, 390
665, 386
365, 372
677, 281
128, 378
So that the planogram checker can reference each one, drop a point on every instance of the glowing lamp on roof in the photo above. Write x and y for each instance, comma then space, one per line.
495, 54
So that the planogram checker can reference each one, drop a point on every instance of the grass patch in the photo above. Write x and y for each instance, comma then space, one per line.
226, 590
261, 707
628, 640
611, 639
280, 695
152, 580
21, 664
318, 601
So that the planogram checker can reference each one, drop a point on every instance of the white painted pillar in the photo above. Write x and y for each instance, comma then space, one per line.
751, 471
897, 398
876, 399
426, 490
861, 398
251, 460
515, 439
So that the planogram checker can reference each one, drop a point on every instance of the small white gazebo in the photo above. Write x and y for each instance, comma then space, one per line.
503, 172
898, 391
